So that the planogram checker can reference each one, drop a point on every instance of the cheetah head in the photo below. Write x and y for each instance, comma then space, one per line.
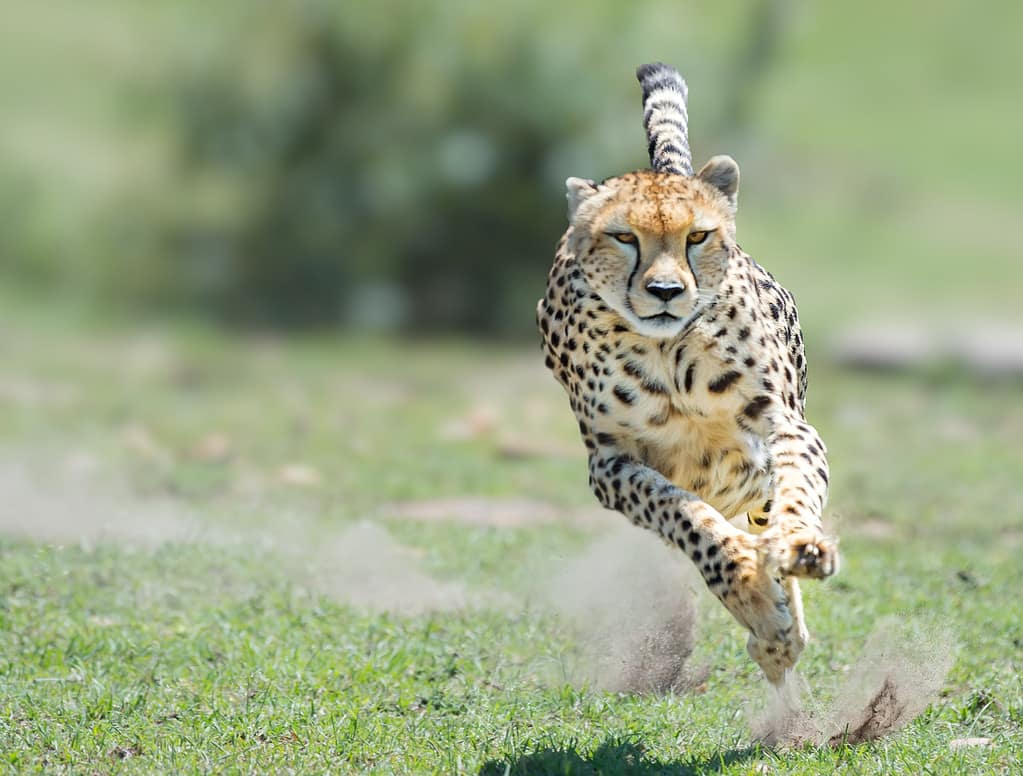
655, 246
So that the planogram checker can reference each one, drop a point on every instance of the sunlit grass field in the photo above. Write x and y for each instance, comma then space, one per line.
175, 597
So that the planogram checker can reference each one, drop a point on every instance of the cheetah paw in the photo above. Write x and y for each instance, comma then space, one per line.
803, 554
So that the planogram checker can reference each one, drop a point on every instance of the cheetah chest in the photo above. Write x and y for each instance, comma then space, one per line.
727, 467
674, 424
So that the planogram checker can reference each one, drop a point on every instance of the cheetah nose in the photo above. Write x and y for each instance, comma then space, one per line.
665, 291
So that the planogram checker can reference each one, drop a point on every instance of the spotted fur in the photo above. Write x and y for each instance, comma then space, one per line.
683, 361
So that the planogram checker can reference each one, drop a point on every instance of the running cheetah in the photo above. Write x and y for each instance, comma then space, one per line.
683, 362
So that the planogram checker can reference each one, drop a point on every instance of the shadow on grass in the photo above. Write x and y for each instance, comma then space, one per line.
611, 758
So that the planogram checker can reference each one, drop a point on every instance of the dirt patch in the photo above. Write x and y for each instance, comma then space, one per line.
632, 605
900, 672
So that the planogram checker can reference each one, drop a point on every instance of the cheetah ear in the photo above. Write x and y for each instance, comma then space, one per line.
577, 191
722, 173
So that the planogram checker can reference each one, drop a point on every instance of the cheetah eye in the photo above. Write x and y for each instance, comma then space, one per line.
625, 238
695, 238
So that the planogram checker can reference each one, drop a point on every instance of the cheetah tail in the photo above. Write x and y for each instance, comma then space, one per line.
665, 118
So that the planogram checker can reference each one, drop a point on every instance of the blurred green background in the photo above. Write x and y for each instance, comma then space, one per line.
399, 165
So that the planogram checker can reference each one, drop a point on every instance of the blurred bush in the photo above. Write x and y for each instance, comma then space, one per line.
366, 180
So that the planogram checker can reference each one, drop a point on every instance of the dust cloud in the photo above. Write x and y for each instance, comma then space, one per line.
364, 567
900, 672
631, 604
71, 499
68, 500
628, 601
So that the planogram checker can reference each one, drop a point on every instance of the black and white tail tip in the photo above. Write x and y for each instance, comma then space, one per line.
665, 118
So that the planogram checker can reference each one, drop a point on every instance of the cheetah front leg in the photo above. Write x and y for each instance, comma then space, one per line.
739, 568
792, 539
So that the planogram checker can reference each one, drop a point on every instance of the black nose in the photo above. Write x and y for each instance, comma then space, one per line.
665, 291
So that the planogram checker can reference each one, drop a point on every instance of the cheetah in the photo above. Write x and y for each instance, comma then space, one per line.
683, 362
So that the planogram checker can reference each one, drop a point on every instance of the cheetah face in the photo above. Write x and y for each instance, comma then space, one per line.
655, 246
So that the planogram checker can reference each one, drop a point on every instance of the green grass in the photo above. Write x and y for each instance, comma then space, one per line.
226, 654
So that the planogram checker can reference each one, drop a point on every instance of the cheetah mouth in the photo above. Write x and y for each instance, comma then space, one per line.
660, 318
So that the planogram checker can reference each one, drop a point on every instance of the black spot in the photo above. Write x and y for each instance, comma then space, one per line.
689, 377
605, 438
824, 475
754, 409
653, 386
721, 332
722, 383
743, 333
624, 395
749, 361
632, 368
